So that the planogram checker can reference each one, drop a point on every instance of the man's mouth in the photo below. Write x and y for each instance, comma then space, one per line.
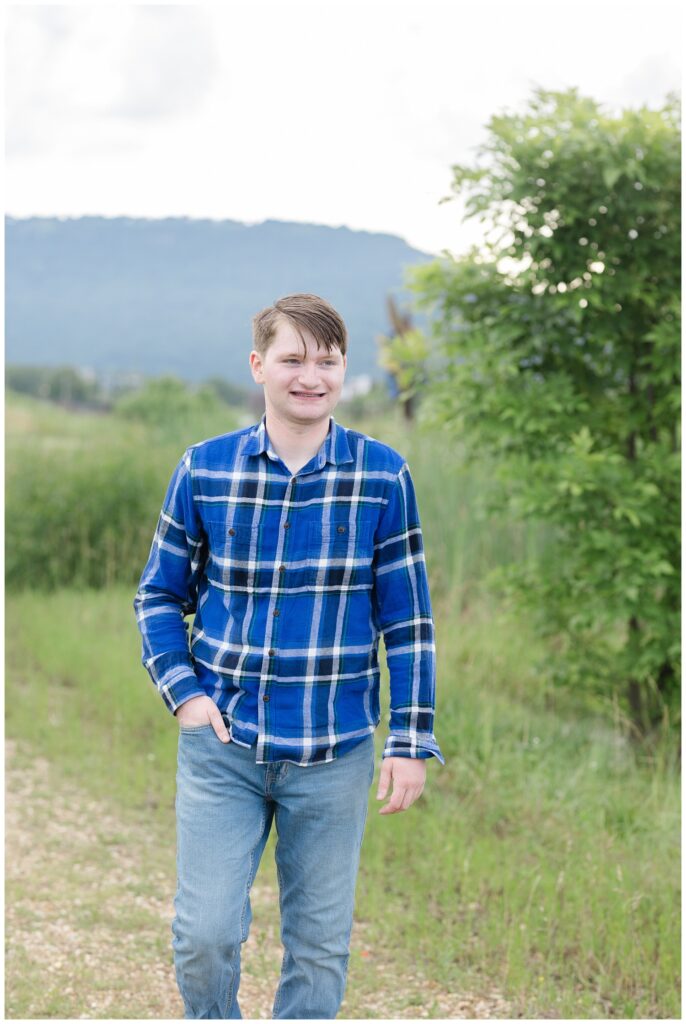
309, 395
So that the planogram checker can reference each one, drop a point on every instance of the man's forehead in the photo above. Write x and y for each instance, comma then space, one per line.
286, 332
287, 339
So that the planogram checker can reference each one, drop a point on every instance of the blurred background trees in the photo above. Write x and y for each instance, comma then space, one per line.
561, 343
403, 355
551, 353
533, 390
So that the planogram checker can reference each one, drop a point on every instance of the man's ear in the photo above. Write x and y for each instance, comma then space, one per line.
256, 366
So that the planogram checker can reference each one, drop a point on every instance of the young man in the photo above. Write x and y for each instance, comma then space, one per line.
295, 542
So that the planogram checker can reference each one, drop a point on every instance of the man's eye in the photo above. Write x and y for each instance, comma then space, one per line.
330, 362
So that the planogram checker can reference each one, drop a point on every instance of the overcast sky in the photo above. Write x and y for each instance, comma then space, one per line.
329, 112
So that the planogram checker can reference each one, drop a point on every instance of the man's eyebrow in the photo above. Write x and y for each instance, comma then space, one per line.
297, 355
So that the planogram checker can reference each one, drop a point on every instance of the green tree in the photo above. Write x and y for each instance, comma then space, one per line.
175, 411
57, 384
403, 355
560, 359
227, 391
166, 400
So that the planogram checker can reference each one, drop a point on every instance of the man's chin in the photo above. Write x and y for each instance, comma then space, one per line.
308, 409
301, 412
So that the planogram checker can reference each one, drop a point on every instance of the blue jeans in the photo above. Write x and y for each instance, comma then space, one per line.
225, 803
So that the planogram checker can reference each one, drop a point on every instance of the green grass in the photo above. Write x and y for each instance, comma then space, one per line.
83, 491
542, 859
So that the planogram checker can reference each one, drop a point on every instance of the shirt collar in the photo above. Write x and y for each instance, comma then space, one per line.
335, 447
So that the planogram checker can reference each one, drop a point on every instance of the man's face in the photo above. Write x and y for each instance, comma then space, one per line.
299, 389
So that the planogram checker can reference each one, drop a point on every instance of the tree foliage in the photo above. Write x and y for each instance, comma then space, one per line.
560, 344
166, 400
55, 383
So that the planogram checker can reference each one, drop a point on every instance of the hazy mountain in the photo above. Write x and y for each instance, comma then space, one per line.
177, 295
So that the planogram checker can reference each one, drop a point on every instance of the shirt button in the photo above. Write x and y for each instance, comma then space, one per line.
282, 568
271, 652
276, 611
286, 525
292, 479
265, 698
232, 531
341, 529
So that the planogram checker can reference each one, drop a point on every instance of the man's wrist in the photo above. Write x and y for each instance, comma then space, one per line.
184, 704
405, 746
177, 700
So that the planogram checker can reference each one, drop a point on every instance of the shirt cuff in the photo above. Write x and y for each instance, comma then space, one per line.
186, 692
419, 745
175, 679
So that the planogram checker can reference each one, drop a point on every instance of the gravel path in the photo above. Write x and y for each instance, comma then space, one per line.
89, 909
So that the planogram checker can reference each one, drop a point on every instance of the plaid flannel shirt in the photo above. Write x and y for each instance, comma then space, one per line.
291, 578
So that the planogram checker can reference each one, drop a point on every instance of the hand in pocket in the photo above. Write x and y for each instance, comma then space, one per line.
199, 711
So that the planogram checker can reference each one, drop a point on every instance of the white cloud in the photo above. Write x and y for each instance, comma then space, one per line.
80, 76
168, 63
338, 113
650, 80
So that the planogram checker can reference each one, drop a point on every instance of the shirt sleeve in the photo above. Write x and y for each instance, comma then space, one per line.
402, 609
168, 590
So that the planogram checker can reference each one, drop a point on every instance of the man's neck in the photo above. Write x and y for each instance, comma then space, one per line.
296, 444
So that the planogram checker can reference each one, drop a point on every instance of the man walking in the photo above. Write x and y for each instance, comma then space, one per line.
295, 542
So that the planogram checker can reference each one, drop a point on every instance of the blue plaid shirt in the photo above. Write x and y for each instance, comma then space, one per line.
291, 579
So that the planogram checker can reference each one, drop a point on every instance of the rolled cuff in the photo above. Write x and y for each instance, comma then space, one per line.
408, 745
175, 679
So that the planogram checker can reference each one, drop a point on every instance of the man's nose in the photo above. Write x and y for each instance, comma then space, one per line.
309, 377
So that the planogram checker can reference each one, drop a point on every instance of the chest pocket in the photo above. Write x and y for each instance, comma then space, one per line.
340, 554
229, 547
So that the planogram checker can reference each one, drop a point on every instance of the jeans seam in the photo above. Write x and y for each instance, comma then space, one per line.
277, 1000
232, 986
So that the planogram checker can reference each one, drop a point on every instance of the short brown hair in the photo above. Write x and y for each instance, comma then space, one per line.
303, 312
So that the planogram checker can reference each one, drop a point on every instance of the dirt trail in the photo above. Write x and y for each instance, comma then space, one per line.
88, 919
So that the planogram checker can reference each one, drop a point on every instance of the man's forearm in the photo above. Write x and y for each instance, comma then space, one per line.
402, 609
412, 703
166, 654
168, 591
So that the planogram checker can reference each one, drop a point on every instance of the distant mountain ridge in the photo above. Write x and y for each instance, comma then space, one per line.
177, 295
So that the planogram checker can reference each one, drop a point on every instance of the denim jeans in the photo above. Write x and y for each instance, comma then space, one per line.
225, 804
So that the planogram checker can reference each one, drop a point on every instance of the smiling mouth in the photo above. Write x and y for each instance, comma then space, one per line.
307, 394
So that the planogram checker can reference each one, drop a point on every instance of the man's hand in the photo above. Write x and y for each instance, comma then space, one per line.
203, 711
408, 775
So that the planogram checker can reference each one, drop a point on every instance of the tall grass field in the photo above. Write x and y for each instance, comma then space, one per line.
543, 859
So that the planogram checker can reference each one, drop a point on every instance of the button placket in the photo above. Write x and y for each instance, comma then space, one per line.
286, 526
276, 612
